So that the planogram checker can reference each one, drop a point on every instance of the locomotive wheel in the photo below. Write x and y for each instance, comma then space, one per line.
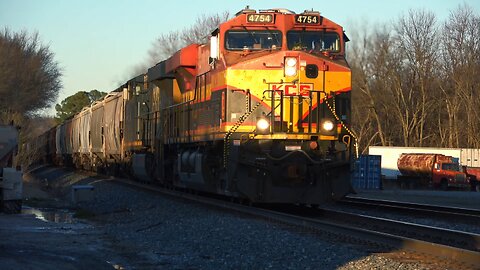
12, 206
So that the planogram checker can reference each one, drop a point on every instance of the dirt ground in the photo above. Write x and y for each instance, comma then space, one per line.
37, 239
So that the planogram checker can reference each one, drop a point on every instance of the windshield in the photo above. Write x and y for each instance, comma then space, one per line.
313, 40
253, 40
450, 167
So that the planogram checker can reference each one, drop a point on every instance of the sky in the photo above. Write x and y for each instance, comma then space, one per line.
97, 43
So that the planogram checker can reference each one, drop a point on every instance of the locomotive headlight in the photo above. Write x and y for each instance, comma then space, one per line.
291, 66
328, 125
263, 126
290, 71
290, 61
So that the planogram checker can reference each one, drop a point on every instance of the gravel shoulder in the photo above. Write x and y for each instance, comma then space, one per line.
127, 228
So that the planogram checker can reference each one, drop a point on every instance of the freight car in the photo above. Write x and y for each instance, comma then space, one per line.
261, 112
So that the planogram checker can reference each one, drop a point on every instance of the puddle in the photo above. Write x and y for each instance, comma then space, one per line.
50, 215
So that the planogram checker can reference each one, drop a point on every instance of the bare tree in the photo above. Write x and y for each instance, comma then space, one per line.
367, 60
165, 46
418, 41
168, 43
204, 25
30, 150
29, 75
461, 83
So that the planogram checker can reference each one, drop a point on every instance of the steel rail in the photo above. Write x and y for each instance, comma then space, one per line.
451, 213
387, 241
454, 238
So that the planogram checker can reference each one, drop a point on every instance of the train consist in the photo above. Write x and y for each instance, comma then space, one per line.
261, 112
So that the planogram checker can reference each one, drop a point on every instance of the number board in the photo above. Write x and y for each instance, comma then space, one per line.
260, 18
307, 19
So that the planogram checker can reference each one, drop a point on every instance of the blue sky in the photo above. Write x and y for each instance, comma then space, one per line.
97, 42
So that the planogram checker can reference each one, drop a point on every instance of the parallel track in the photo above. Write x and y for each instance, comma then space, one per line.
457, 214
461, 257
453, 238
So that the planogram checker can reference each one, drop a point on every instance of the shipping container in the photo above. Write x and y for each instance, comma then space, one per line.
470, 157
367, 173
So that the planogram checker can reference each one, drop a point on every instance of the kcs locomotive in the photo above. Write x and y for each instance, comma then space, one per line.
261, 112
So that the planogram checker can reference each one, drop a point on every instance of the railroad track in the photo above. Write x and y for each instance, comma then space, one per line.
431, 234
457, 214
338, 231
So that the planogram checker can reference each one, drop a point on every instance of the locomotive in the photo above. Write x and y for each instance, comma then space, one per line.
261, 112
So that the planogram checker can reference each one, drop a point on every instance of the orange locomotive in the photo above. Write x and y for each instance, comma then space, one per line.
260, 113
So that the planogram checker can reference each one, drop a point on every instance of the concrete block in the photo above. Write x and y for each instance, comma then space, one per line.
82, 193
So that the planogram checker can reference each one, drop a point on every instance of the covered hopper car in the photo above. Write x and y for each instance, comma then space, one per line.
261, 112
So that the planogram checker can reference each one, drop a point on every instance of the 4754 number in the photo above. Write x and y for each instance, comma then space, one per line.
307, 19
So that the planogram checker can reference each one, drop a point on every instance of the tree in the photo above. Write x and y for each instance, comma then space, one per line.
418, 85
30, 78
75, 103
417, 41
168, 43
460, 72
370, 62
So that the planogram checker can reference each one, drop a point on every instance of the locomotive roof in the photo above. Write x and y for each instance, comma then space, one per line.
281, 18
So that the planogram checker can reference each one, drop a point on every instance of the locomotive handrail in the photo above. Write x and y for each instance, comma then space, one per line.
226, 143
194, 93
274, 105
351, 132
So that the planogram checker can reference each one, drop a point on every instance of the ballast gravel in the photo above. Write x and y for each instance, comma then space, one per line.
153, 231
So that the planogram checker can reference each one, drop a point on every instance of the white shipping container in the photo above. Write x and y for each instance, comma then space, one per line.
470, 157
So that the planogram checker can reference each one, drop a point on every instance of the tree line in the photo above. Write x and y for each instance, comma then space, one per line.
416, 82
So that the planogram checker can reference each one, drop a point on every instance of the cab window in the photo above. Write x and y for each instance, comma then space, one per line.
313, 40
236, 40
